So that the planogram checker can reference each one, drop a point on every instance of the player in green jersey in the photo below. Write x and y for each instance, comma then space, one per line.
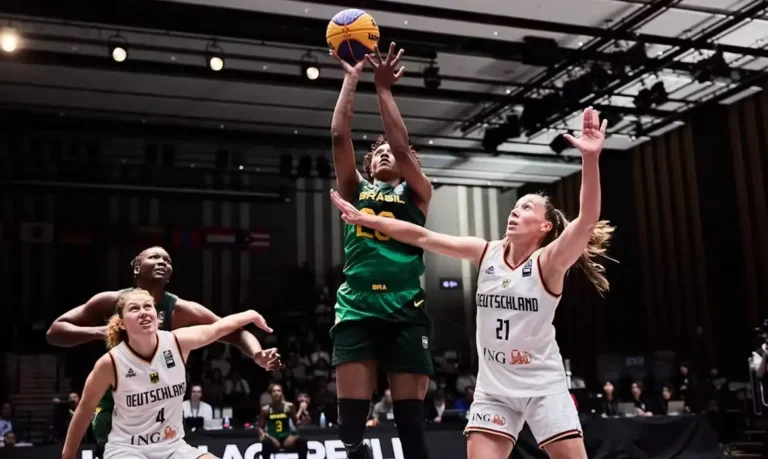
152, 270
381, 318
275, 426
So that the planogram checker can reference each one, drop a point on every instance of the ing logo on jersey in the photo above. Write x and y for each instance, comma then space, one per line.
519, 358
154, 378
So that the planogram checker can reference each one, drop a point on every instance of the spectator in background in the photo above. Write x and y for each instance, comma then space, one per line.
320, 355
610, 404
639, 399
322, 370
6, 418
325, 402
465, 379
236, 394
214, 387
686, 385
219, 361
464, 402
62, 414
304, 415
666, 397
295, 369
383, 407
195, 407
435, 410
9, 440
266, 397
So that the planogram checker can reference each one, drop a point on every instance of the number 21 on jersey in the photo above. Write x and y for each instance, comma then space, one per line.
362, 231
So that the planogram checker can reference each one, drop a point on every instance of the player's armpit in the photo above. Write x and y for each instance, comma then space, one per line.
84, 323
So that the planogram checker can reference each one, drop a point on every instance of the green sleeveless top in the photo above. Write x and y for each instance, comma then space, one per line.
164, 315
373, 256
278, 422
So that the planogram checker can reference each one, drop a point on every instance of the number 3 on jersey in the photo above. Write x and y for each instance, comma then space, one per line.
361, 230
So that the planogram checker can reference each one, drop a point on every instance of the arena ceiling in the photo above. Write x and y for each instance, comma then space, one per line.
513, 74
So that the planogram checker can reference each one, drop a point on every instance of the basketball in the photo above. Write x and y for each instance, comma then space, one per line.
352, 34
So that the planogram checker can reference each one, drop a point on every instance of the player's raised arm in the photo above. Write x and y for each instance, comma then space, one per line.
387, 71
84, 323
99, 381
568, 246
345, 164
464, 248
189, 314
191, 338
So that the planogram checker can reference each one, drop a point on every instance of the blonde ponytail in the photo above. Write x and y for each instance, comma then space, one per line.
597, 247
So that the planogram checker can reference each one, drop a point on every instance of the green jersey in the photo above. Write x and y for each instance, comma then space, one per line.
278, 422
373, 256
164, 314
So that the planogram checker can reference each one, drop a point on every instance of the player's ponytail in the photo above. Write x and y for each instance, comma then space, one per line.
596, 247
115, 335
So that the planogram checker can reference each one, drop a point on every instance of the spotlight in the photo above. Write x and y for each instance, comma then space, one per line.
119, 54
432, 78
658, 93
309, 66
117, 48
9, 41
214, 57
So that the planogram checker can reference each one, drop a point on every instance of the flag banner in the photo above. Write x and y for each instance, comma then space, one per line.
186, 237
256, 240
221, 236
36, 232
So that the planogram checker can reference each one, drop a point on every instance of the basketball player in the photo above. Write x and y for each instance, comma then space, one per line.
520, 282
381, 318
274, 426
152, 270
145, 371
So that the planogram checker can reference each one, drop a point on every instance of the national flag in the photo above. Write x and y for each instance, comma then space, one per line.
73, 236
220, 236
186, 237
36, 232
150, 235
256, 240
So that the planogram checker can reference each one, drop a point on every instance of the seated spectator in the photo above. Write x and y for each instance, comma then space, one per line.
639, 399
62, 414
436, 408
6, 419
214, 388
318, 355
304, 414
464, 402
9, 440
322, 371
464, 380
384, 407
610, 403
274, 426
266, 396
236, 395
666, 397
195, 407
295, 369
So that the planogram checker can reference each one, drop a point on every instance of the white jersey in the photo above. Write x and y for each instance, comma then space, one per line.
148, 397
516, 345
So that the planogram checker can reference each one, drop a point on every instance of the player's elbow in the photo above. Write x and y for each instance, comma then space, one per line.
54, 336
339, 135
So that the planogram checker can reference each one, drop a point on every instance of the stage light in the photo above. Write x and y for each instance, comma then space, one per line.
215, 63
119, 54
309, 67
432, 78
9, 41
214, 57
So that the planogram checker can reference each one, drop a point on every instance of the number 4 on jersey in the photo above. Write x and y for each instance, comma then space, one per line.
161, 416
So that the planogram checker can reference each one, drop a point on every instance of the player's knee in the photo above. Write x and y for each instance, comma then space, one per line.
353, 414
409, 417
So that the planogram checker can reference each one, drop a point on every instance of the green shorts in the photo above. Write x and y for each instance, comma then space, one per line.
102, 425
399, 342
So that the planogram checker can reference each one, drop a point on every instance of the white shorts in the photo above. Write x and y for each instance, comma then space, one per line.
180, 450
550, 417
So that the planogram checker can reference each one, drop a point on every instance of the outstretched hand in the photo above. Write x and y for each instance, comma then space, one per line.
592, 138
268, 359
352, 70
349, 213
385, 71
